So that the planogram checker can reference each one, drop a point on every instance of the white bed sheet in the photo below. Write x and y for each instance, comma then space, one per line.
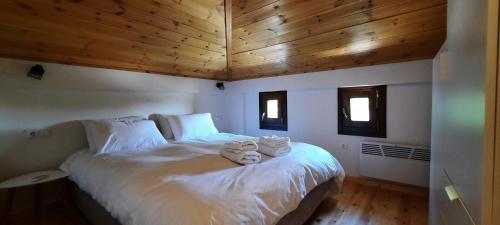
190, 183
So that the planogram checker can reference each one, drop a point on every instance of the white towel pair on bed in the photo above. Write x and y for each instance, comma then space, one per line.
275, 152
274, 141
244, 158
242, 152
247, 145
274, 146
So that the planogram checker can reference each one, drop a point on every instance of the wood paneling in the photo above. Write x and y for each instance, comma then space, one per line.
229, 57
189, 37
278, 37
184, 38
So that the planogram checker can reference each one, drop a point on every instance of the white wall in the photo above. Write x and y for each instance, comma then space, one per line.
70, 93
213, 103
312, 106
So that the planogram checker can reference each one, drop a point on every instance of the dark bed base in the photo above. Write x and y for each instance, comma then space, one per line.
98, 215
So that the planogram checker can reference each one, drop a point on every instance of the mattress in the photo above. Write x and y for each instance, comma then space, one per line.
190, 183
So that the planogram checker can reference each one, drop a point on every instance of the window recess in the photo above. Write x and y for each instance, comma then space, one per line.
362, 111
273, 110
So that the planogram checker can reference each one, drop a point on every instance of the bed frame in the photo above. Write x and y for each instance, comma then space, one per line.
98, 215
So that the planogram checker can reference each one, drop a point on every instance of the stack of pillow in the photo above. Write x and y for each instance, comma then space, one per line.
132, 133
136, 133
242, 152
185, 127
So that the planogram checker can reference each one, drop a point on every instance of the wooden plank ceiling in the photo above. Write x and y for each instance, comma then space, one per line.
277, 37
176, 37
188, 37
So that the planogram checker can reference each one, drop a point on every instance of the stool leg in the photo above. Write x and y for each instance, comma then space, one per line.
8, 206
37, 201
69, 199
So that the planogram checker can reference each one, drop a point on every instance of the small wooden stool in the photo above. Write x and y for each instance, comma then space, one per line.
35, 179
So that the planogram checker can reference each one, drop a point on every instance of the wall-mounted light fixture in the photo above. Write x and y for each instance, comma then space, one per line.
36, 72
220, 85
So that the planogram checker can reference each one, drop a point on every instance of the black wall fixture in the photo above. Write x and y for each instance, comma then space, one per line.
220, 85
36, 72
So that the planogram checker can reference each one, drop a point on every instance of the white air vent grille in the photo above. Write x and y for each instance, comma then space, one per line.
400, 163
396, 151
371, 149
421, 154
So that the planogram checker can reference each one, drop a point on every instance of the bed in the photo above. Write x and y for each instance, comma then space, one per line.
189, 182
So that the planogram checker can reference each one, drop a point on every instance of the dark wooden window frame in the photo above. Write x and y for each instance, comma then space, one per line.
377, 126
281, 123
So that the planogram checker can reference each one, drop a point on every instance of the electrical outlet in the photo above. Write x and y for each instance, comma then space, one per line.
36, 133
344, 146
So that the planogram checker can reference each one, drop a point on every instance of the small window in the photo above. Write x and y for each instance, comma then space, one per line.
362, 111
273, 110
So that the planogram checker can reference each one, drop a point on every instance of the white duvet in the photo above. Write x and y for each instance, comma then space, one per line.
188, 183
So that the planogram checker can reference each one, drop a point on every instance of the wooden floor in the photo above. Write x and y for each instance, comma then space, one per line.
356, 204
362, 204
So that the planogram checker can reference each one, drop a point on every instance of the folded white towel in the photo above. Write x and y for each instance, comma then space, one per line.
248, 145
244, 157
274, 141
275, 152
236, 151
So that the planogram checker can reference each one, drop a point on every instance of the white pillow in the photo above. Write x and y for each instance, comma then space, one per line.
185, 127
89, 129
162, 121
117, 136
90, 136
